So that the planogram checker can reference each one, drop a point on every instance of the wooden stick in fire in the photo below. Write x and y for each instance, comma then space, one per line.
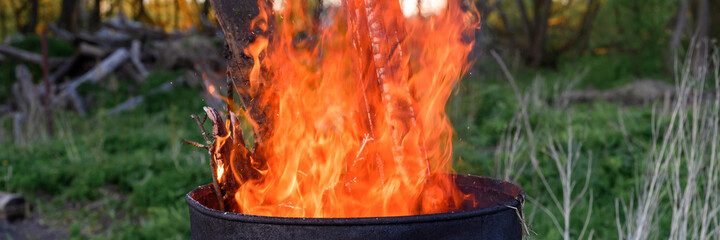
231, 162
238, 162
387, 49
228, 152
227, 149
235, 18
213, 166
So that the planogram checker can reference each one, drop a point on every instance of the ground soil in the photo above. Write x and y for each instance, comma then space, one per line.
32, 227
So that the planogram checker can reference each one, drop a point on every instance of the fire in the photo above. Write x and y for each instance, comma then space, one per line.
350, 120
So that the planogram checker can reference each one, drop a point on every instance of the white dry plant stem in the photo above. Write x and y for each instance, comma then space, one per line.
714, 196
510, 151
522, 102
530, 136
694, 165
624, 132
565, 160
8, 177
65, 131
684, 165
639, 214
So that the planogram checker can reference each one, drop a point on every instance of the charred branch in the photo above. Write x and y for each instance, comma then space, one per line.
228, 151
198, 145
235, 19
213, 165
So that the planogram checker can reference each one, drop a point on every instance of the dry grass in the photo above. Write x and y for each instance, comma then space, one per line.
681, 171
519, 142
677, 175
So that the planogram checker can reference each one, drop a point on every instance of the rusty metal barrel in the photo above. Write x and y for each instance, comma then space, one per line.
496, 215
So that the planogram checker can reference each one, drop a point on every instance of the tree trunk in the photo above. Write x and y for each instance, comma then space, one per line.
33, 21
206, 8
534, 15
141, 14
68, 15
482, 37
715, 19
539, 32
679, 28
234, 18
525, 20
703, 19
3, 20
702, 33
139, 4
177, 12
16, 14
95, 16
34, 14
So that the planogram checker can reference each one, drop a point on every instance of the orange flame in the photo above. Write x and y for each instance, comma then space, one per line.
358, 126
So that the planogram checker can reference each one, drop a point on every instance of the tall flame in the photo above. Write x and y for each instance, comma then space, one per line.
357, 124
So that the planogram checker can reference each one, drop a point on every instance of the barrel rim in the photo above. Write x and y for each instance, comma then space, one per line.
512, 205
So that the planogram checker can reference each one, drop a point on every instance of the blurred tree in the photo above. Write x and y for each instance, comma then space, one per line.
95, 16
484, 7
17, 11
69, 15
176, 12
3, 20
26, 26
634, 37
141, 14
34, 6
702, 34
700, 15
680, 25
537, 18
715, 19
206, 8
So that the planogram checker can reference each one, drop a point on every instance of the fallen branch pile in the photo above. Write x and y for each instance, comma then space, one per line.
122, 47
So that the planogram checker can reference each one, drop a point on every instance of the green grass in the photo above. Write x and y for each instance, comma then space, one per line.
121, 176
125, 176
595, 125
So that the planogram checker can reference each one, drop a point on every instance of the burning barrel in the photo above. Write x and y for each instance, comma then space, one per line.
496, 215
350, 135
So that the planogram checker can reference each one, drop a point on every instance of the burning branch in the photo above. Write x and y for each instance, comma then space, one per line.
232, 163
213, 166
236, 22
386, 40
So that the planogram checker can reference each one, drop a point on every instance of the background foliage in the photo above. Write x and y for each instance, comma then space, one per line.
125, 176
